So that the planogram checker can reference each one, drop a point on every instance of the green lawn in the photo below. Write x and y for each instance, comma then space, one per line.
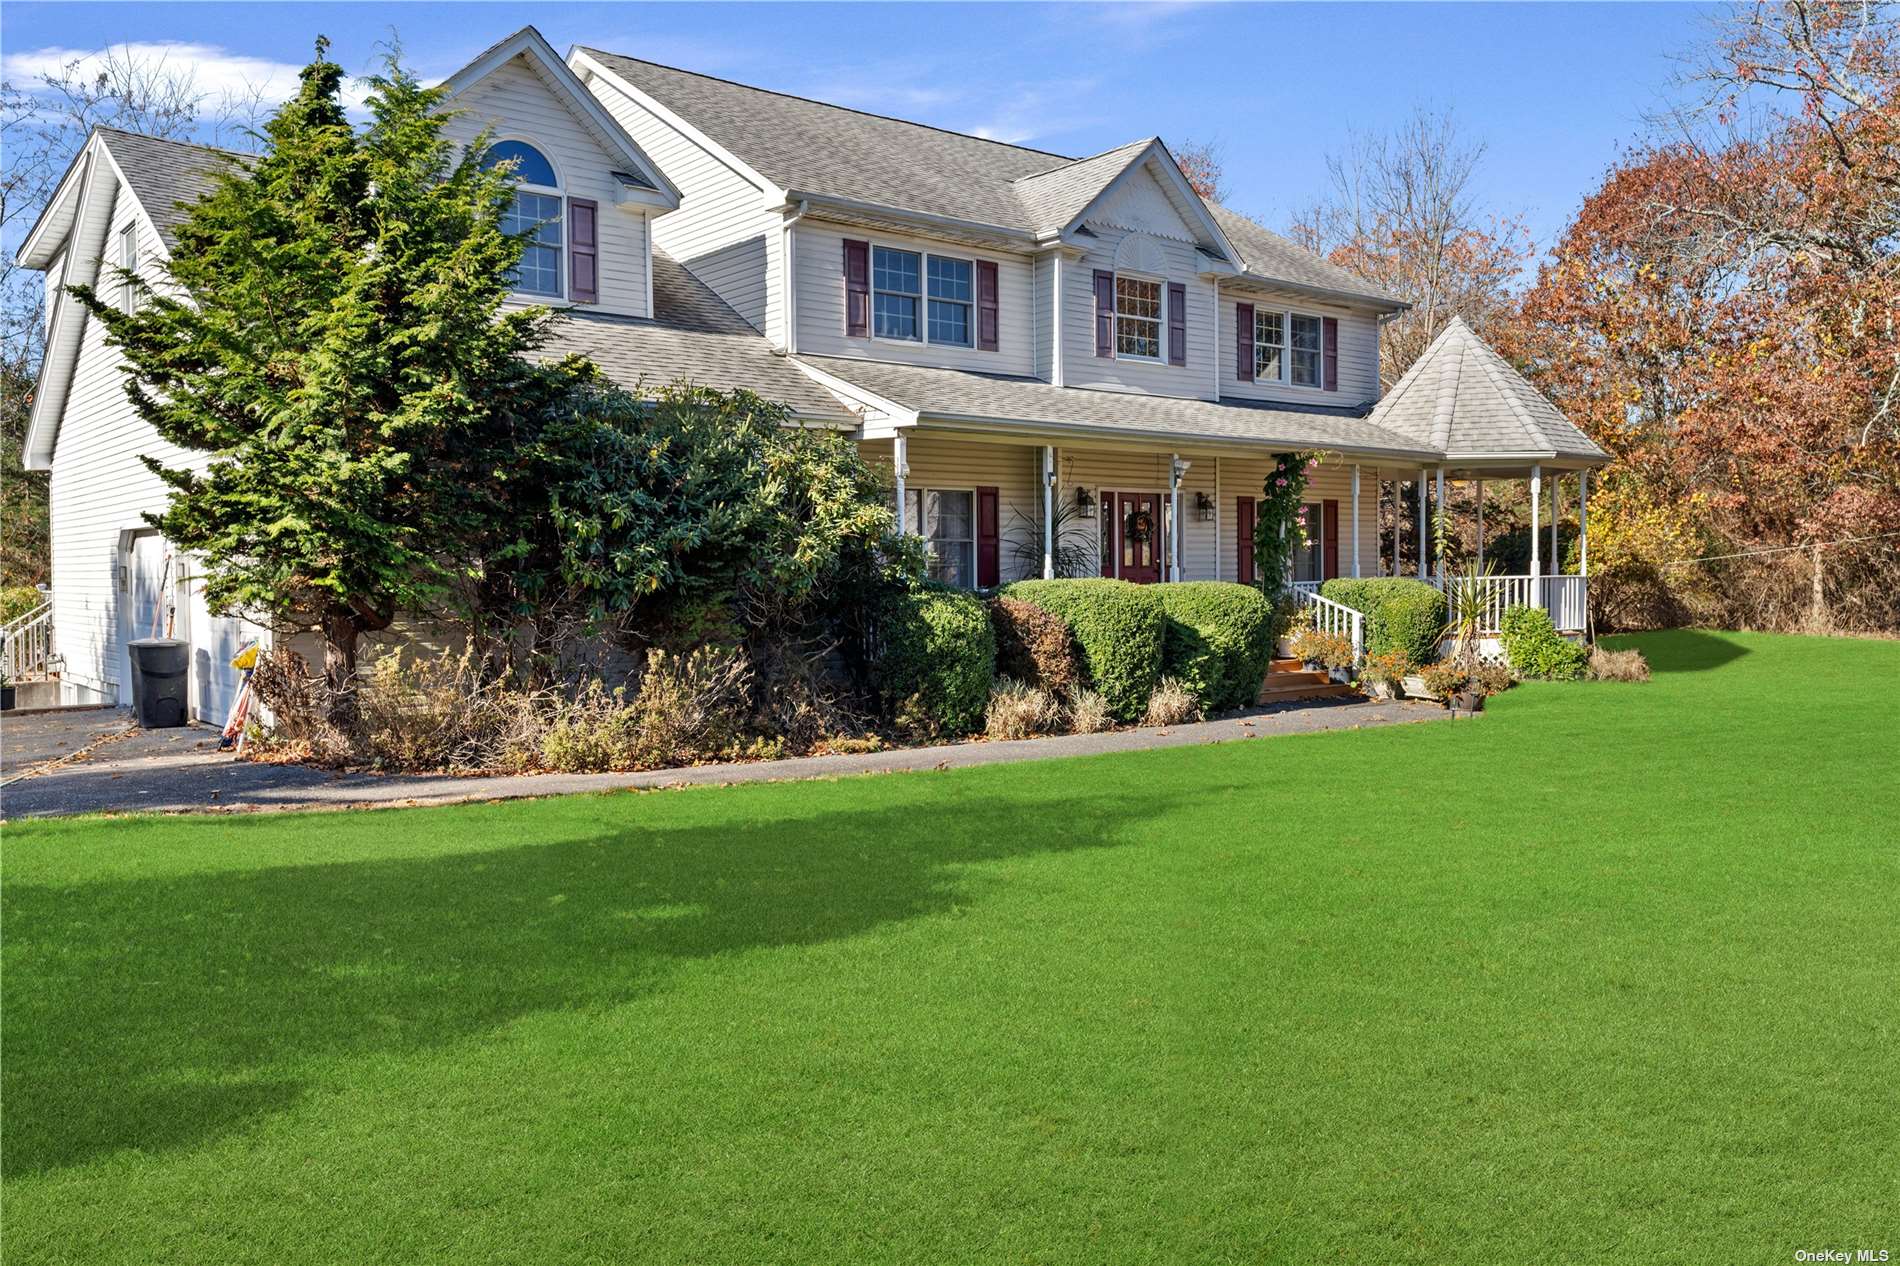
1612, 974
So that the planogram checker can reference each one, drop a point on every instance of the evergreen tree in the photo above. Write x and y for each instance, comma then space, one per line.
333, 337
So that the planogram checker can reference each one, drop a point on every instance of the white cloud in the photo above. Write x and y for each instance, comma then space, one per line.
214, 73
1045, 109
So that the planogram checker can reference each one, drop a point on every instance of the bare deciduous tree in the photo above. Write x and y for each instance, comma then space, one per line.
1400, 212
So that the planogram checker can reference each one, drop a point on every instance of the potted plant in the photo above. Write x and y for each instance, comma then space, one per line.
1321, 652
1386, 672
1449, 682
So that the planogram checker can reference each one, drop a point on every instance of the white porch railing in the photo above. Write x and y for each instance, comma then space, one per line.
27, 649
1333, 617
1567, 598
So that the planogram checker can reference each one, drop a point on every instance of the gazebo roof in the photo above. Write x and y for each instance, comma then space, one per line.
1464, 399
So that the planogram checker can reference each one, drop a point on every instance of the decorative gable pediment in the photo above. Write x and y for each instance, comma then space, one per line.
1139, 205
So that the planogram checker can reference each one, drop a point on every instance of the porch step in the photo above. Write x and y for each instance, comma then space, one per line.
1298, 677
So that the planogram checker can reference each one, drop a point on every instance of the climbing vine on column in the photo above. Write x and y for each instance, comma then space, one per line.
1276, 528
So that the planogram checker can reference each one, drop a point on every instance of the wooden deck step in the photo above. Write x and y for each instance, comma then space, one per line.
1285, 666
1298, 677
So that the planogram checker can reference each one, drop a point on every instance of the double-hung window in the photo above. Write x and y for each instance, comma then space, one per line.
952, 291
1137, 317
535, 215
1304, 362
896, 293
1288, 347
1269, 345
947, 521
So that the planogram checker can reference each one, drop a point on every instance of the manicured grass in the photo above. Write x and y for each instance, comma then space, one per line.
1612, 974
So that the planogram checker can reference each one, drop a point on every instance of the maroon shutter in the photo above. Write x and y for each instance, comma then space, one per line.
1104, 313
1331, 328
1177, 325
986, 324
857, 289
1243, 540
1329, 538
988, 565
583, 250
1243, 341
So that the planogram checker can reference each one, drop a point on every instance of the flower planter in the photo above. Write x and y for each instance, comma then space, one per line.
1468, 702
1414, 687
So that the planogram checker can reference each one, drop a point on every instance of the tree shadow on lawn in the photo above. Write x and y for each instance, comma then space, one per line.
1682, 650
157, 1013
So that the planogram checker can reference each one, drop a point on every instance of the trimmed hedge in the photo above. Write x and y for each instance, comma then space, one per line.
1219, 640
1033, 645
1120, 628
1536, 649
1401, 614
936, 658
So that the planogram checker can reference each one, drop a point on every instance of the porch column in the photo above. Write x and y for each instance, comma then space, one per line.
1424, 537
900, 466
1556, 517
1177, 468
1355, 522
1048, 511
1537, 563
1398, 527
1481, 527
1583, 523
1440, 503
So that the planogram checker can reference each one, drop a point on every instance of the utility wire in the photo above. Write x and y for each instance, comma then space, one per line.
1779, 549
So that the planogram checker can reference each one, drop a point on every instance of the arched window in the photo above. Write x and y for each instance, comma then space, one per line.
535, 215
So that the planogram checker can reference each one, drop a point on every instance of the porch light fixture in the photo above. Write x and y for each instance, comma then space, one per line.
1203, 507
1084, 503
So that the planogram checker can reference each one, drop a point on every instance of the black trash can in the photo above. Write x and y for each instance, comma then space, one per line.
160, 671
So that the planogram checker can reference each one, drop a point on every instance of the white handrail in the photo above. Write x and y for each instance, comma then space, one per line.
27, 648
1333, 617
1567, 598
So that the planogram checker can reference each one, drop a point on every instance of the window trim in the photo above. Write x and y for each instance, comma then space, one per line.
1286, 347
922, 493
129, 263
924, 255
559, 193
1160, 319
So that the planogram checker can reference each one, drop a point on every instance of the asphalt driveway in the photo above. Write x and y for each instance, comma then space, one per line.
97, 761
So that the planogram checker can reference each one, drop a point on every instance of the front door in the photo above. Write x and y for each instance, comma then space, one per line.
1137, 521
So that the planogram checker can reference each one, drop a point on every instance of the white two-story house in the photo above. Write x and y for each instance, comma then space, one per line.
1068, 366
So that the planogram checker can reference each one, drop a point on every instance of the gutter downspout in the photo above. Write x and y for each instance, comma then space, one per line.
788, 267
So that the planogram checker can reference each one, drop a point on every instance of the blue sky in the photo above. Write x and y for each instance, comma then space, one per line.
1554, 90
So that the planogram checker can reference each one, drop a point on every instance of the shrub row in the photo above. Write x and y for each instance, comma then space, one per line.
1401, 614
1214, 637
935, 659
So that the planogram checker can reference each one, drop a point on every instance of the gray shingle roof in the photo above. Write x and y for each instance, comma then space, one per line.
164, 174
829, 150
816, 148
1271, 256
960, 394
697, 338
1464, 399
1052, 199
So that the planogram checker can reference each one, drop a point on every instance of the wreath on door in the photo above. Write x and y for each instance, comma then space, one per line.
1139, 527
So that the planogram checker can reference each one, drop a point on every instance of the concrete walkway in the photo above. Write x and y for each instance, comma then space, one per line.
97, 761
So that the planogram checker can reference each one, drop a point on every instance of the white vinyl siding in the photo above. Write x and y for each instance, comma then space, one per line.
1358, 350
721, 231
820, 255
1082, 367
99, 489
512, 103
1246, 477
